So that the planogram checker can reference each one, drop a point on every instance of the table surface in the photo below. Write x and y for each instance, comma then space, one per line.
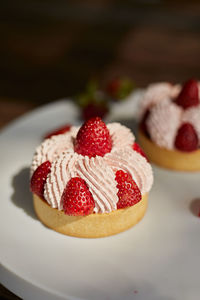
10, 109
52, 51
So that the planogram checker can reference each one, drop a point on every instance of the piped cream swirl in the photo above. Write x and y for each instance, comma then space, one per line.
51, 148
163, 123
62, 170
121, 136
135, 164
98, 176
101, 182
157, 92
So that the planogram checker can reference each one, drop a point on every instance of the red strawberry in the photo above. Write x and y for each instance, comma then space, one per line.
129, 193
93, 138
119, 88
186, 138
39, 177
77, 199
113, 87
92, 102
137, 148
59, 130
189, 95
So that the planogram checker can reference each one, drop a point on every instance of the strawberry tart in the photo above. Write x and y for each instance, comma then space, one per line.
91, 181
169, 130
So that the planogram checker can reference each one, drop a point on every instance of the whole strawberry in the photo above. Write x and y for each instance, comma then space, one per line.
93, 138
93, 102
128, 191
186, 139
189, 95
39, 177
77, 199
143, 123
137, 148
59, 130
119, 88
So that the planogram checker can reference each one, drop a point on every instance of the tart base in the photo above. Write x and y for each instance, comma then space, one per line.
91, 226
170, 159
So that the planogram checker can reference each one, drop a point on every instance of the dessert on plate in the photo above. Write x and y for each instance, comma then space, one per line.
169, 130
91, 181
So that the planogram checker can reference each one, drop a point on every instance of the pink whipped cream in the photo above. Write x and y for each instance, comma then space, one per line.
156, 92
51, 148
163, 123
98, 172
166, 117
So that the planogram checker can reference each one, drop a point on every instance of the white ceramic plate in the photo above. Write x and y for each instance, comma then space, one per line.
158, 259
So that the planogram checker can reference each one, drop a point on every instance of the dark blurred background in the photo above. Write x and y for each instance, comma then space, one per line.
51, 48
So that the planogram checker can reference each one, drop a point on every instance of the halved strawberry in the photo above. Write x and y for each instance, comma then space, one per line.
59, 130
128, 191
143, 123
138, 149
186, 139
189, 95
39, 177
77, 199
93, 138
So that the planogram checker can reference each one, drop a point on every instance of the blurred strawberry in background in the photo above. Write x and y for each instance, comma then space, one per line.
93, 102
60, 130
119, 88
